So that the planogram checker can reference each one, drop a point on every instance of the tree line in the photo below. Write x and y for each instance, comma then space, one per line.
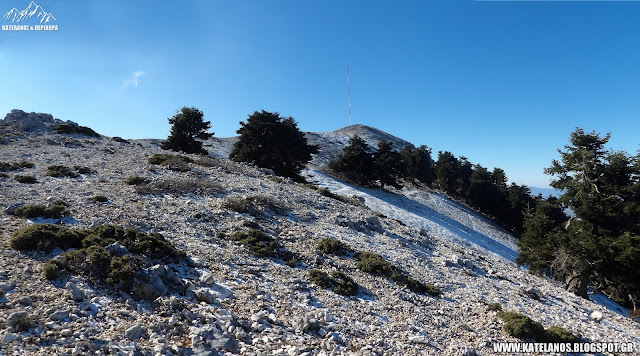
487, 191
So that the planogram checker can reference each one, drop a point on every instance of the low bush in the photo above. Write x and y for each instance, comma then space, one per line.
61, 171
181, 186
494, 307
163, 158
374, 263
100, 199
254, 205
92, 258
23, 324
343, 284
320, 278
177, 163
258, 242
120, 139
331, 246
25, 179
50, 270
3, 175
561, 335
276, 179
46, 237
522, 327
339, 282
239, 205
83, 170
57, 210
136, 180
75, 129
5, 166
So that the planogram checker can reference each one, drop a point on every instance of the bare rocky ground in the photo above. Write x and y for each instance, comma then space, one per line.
236, 303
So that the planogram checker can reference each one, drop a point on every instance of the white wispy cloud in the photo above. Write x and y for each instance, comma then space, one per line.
134, 80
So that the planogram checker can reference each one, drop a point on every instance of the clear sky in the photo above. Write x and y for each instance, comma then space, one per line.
503, 83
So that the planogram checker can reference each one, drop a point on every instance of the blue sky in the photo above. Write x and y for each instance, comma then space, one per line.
503, 83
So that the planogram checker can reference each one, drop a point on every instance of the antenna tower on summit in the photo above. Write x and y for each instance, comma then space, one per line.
349, 93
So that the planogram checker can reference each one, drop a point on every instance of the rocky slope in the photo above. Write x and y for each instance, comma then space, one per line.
234, 302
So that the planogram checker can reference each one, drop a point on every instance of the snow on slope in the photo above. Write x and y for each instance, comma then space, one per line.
429, 211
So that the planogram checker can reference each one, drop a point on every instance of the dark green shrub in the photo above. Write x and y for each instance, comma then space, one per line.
416, 286
521, 326
120, 139
561, 335
239, 205
494, 307
61, 171
46, 237
25, 179
4, 166
343, 284
100, 199
320, 278
50, 270
258, 242
181, 186
4, 175
292, 262
136, 180
254, 205
327, 193
276, 179
23, 324
153, 246
164, 158
123, 272
75, 129
373, 263
57, 210
92, 262
339, 282
331, 246
83, 170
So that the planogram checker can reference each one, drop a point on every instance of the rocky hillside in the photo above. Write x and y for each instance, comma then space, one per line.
245, 242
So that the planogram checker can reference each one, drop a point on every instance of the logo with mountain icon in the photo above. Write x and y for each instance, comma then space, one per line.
32, 18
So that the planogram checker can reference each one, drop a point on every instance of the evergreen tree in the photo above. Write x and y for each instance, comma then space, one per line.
355, 163
518, 200
463, 182
388, 164
418, 164
270, 141
601, 244
543, 236
187, 126
482, 192
446, 168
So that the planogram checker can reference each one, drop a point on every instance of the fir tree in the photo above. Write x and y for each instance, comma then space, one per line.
418, 164
388, 164
446, 168
355, 163
270, 141
187, 126
601, 244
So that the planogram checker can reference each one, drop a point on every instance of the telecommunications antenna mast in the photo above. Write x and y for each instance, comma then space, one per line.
349, 93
